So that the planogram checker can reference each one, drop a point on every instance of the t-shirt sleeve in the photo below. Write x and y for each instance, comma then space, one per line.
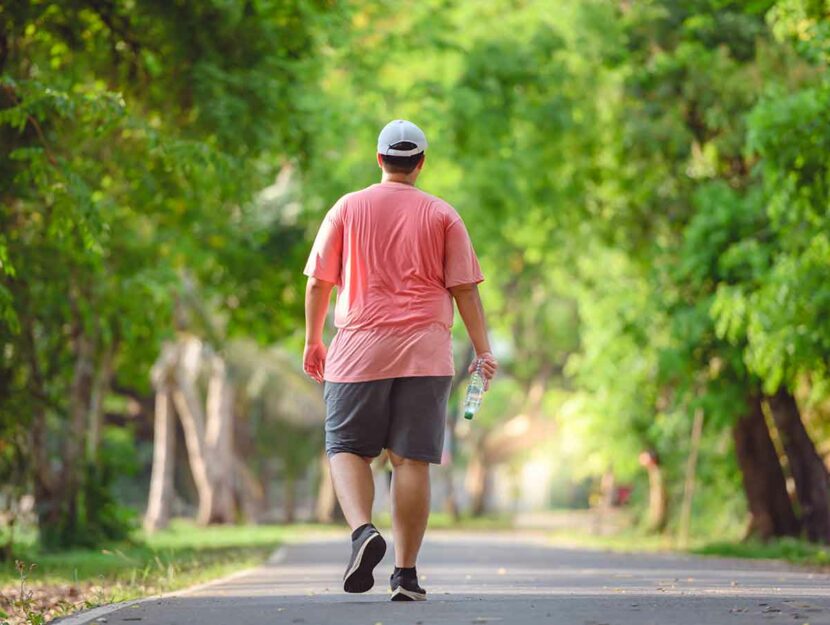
460, 262
325, 259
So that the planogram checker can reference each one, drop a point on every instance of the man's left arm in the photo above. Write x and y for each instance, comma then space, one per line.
317, 297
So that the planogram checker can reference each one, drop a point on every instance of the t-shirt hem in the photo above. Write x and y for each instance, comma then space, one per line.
403, 374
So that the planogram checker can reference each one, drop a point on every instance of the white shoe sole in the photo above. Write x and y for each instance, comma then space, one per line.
357, 580
410, 595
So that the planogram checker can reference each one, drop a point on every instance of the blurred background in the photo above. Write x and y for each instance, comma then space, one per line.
645, 182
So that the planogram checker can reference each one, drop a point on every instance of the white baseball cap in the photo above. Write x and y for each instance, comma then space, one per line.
397, 131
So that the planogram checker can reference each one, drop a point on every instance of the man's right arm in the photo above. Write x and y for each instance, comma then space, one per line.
472, 313
317, 296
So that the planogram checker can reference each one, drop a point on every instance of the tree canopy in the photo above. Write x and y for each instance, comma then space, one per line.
646, 184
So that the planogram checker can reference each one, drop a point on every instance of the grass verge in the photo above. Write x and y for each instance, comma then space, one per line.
444, 521
789, 550
50, 584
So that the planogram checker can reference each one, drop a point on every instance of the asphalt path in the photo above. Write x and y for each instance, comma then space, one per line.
513, 579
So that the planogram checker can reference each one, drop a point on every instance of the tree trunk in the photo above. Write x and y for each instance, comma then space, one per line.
607, 486
289, 499
80, 398
689, 482
47, 493
478, 482
806, 466
251, 495
164, 456
100, 386
771, 512
450, 499
48, 501
219, 441
658, 501
208, 431
451, 442
189, 409
189, 413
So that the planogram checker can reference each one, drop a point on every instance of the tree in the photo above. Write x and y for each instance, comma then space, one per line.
135, 139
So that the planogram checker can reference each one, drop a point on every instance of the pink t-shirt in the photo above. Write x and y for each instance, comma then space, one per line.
393, 251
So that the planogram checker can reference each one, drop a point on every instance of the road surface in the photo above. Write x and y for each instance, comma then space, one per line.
500, 578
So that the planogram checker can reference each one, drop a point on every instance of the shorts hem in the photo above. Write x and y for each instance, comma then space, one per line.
330, 451
418, 457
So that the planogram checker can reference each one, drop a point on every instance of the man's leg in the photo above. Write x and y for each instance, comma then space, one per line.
352, 478
354, 486
410, 507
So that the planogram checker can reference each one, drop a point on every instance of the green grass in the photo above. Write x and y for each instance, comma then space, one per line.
176, 557
789, 550
444, 521
180, 555
625, 541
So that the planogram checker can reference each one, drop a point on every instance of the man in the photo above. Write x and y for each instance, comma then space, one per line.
398, 257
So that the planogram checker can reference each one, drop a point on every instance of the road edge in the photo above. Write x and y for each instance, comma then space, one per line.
93, 614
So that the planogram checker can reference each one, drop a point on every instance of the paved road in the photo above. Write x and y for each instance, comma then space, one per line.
480, 579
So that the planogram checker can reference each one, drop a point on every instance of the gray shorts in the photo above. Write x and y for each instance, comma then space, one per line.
404, 415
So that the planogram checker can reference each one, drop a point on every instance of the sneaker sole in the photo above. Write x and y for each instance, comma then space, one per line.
402, 594
360, 578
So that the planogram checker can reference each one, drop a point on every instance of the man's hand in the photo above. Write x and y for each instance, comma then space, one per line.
314, 360
489, 366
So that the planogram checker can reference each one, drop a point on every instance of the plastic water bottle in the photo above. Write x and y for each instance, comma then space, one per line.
475, 391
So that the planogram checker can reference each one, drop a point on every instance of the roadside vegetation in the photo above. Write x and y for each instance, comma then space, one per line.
55, 583
645, 183
791, 550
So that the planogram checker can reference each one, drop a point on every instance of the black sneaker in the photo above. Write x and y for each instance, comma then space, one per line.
368, 548
405, 588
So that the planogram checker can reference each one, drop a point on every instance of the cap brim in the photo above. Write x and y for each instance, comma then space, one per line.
394, 152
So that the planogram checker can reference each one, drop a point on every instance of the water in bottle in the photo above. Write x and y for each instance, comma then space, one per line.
475, 391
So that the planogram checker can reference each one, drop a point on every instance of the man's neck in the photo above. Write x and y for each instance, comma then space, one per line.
402, 178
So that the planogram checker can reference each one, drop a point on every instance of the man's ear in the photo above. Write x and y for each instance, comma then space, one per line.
380, 161
423, 160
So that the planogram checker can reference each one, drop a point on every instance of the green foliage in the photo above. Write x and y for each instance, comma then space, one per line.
174, 558
101, 518
646, 184
147, 559
136, 138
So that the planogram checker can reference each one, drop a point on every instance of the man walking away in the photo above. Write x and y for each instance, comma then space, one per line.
398, 257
